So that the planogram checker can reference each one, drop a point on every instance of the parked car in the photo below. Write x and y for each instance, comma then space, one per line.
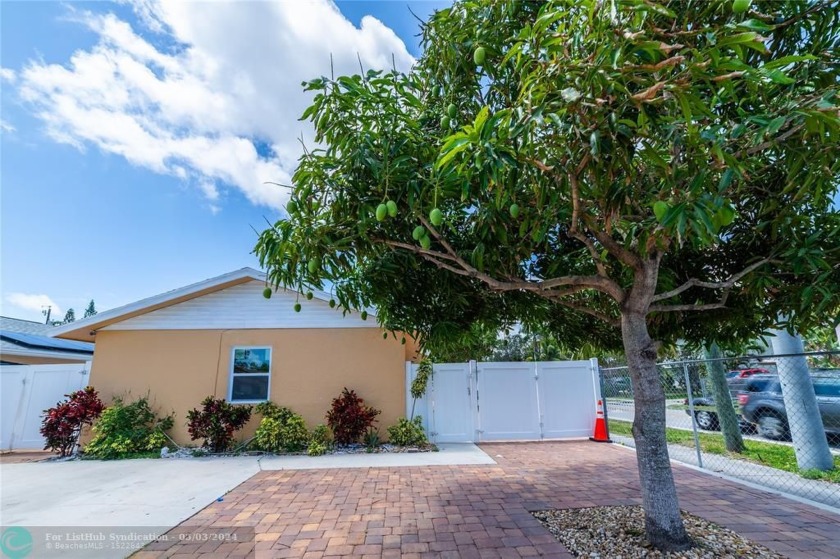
745, 373
762, 403
705, 414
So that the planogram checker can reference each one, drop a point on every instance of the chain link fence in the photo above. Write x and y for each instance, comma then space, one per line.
770, 420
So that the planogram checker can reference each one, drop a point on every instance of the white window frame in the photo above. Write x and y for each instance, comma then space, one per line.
231, 373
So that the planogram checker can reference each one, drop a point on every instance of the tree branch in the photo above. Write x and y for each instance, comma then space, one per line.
610, 320
764, 145
622, 254
545, 288
694, 282
729, 76
678, 308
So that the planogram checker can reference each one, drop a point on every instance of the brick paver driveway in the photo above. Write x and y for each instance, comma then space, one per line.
478, 511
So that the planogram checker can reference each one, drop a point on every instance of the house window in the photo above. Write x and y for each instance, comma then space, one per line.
250, 374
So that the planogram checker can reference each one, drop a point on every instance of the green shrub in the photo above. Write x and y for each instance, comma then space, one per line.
281, 429
322, 434
316, 448
128, 429
320, 441
408, 432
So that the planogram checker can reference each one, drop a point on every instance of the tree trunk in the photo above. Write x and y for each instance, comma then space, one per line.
727, 417
663, 524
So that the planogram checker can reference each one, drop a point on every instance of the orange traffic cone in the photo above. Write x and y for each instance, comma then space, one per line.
601, 435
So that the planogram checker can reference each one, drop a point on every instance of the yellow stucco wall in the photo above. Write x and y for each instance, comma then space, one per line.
309, 367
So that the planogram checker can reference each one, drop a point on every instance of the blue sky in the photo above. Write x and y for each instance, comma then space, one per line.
137, 136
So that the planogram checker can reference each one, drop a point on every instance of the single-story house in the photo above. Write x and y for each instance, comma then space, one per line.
222, 337
24, 342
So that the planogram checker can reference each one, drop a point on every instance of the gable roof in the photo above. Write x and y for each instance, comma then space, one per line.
85, 329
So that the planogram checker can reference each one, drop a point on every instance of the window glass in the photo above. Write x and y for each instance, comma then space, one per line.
250, 374
827, 387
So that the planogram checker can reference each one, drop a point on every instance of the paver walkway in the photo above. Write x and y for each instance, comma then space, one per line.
476, 511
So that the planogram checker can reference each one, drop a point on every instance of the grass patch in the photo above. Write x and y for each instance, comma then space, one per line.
773, 455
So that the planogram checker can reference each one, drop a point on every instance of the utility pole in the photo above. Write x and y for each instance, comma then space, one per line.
803, 416
47, 313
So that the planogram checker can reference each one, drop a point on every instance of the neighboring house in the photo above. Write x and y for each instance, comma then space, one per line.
221, 337
23, 342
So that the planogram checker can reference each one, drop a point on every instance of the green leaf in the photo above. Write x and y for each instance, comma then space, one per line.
660, 208
727, 214
755, 25
787, 60
775, 125
777, 76
481, 118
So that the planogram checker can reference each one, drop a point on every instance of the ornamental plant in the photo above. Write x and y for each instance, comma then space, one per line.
127, 429
280, 430
408, 432
63, 423
420, 382
216, 422
349, 417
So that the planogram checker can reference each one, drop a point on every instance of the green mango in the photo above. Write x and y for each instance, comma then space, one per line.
741, 6
313, 265
479, 56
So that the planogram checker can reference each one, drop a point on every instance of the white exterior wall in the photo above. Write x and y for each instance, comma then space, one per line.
243, 306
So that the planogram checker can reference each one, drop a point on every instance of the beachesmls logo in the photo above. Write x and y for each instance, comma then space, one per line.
16, 542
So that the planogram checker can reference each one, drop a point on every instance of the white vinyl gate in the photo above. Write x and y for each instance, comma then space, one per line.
26, 391
473, 402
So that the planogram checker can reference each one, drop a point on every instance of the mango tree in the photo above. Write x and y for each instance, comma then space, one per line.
625, 171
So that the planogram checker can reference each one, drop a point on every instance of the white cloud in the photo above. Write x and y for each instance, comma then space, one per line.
227, 81
7, 74
6, 126
33, 303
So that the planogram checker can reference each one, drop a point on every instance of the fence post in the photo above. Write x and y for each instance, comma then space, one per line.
693, 419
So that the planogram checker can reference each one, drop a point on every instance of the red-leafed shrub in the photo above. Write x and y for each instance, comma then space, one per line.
216, 423
63, 423
349, 418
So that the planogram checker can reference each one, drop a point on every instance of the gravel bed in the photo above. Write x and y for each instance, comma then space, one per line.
618, 533
186, 452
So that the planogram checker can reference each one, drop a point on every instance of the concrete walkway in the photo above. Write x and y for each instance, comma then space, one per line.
117, 492
471, 511
447, 455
